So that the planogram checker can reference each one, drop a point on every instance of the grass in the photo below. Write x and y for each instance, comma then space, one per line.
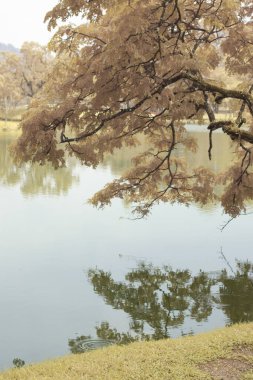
9, 126
13, 123
223, 354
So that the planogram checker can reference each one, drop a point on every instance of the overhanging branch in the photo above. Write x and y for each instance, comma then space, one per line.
231, 129
201, 85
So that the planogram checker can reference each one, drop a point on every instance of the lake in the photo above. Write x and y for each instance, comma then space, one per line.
69, 270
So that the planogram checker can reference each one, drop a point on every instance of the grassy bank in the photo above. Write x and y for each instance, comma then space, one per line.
9, 126
14, 117
223, 354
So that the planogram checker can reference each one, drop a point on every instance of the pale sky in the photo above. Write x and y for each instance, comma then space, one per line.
22, 20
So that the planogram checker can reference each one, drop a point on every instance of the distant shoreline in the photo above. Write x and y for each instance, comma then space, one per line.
9, 126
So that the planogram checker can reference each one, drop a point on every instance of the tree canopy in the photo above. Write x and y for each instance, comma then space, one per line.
22, 75
135, 72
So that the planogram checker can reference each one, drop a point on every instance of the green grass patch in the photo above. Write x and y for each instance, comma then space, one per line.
215, 355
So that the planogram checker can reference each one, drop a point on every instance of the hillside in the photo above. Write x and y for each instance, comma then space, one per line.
8, 47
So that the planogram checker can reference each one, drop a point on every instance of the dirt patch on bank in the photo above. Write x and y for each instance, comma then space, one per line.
233, 368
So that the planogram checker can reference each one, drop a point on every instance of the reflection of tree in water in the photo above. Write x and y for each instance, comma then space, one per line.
34, 179
154, 298
236, 293
158, 299
121, 159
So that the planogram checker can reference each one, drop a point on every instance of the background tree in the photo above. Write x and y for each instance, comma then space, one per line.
139, 70
33, 66
10, 91
22, 75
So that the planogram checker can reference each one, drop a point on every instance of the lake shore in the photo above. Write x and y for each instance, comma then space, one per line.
222, 354
9, 126
13, 125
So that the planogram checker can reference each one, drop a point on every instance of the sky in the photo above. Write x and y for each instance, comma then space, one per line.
22, 20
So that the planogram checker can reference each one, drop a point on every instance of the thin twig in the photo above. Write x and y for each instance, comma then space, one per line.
227, 262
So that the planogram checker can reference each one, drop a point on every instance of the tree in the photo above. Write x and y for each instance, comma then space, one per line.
34, 63
138, 70
22, 75
10, 92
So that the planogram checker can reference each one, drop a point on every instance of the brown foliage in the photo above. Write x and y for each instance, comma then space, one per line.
139, 68
22, 75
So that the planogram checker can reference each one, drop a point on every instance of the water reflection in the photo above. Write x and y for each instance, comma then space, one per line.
86, 343
222, 157
222, 154
158, 300
236, 293
34, 179
42, 288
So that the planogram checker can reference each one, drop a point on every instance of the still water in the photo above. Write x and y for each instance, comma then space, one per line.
69, 270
